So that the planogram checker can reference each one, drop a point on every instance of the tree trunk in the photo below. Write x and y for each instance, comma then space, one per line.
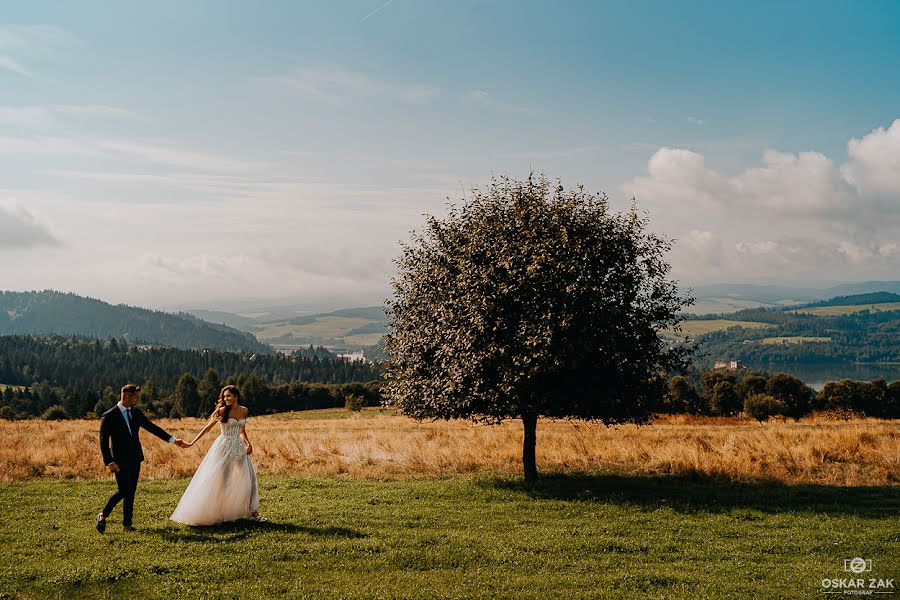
528, 463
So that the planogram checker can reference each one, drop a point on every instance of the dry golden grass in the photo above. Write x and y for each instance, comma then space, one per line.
377, 445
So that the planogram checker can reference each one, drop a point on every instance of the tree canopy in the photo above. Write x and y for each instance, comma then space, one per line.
533, 300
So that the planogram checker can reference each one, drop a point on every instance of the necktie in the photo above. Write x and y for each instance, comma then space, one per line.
128, 421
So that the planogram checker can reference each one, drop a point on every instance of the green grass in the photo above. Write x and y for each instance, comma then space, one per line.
793, 339
701, 326
325, 327
574, 536
827, 311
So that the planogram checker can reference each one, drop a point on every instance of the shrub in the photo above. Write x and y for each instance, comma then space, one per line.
354, 402
763, 406
55, 413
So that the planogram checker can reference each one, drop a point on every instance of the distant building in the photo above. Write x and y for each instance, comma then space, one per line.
730, 365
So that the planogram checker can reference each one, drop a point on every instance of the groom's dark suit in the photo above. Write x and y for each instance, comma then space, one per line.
127, 453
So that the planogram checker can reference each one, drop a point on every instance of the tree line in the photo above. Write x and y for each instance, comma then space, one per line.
82, 375
759, 395
860, 337
68, 314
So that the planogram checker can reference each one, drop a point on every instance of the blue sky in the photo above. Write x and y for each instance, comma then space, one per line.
204, 151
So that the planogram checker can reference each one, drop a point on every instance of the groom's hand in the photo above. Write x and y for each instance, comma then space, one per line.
181, 443
113, 467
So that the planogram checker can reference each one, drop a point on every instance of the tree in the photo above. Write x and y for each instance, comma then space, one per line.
681, 397
796, 395
891, 409
187, 400
725, 400
762, 406
531, 300
209, 389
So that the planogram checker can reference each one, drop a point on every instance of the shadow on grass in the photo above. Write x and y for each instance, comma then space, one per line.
238, 530
697, 493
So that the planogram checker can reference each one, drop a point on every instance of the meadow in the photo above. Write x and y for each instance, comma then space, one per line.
827, 311
380, 445
698, 327
374, 505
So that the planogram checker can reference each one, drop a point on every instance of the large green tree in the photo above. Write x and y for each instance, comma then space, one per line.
187, 399
533, 300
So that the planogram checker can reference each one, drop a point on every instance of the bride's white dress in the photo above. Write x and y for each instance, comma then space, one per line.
224, 486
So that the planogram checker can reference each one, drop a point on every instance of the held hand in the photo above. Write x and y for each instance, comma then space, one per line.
181, 443
113, 467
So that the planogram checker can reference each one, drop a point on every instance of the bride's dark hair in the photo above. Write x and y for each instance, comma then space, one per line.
222, 409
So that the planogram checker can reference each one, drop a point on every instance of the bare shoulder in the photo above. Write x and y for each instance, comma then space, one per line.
241, 412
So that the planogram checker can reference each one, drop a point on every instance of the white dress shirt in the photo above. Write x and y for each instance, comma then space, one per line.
125, 416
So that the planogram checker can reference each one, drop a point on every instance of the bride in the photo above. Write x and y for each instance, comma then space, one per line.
224, 486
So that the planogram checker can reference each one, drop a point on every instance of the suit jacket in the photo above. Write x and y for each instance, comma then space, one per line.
126, 447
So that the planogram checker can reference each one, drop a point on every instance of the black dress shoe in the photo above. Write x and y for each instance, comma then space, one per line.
101, 523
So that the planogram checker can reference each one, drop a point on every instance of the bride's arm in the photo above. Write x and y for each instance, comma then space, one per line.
212, 421
246, 439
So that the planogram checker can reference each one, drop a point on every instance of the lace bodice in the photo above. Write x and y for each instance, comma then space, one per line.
233, 445
232, 427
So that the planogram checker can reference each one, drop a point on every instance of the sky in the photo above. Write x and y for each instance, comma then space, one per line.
202, 153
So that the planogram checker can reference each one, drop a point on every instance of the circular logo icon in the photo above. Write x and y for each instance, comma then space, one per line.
858, 565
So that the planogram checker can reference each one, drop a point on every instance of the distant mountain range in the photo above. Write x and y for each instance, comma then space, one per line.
731, 297
50, 312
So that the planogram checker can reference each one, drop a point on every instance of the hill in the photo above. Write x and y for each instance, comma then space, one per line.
51, 312
856, 300
730, 297
860, 328
348, 329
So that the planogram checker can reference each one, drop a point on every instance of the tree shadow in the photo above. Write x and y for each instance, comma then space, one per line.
696, 493
238, 530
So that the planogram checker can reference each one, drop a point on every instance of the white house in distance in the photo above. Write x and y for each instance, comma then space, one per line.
730, 365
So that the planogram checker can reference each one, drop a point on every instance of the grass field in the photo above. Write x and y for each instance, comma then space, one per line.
385, 446
793, 339
326, 327
847, 310
699, 327
708, 306
375, 505
599, 535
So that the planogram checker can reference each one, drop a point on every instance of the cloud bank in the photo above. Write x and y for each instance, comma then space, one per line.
20, 229
794, 215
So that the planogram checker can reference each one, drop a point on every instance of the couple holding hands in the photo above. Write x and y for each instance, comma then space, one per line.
224, 486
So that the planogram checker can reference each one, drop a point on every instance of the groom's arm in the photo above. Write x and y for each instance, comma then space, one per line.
104, 441
155, 429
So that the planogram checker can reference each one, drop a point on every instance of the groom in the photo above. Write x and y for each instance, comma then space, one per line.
121, 424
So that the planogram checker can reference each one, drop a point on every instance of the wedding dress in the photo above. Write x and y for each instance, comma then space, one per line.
224, 486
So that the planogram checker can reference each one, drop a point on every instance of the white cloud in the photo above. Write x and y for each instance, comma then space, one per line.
485, 98
792, 215
30, 117
806, 185
696, 121
111, 149
46, 145
10, 64
338, 85
31, 41
874, 168
45, 117
20, 229
170, 155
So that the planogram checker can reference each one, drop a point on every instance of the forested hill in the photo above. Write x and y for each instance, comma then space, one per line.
50, 312
855, 300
